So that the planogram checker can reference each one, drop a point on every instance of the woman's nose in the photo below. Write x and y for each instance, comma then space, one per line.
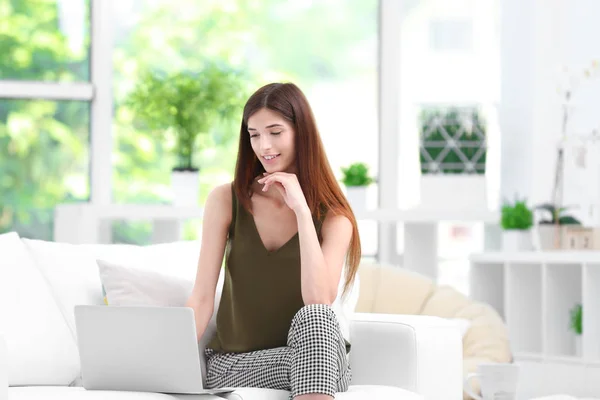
265, 143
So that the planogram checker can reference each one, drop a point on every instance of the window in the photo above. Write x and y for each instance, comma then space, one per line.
328, 48
43, 162
44, 144
45, 40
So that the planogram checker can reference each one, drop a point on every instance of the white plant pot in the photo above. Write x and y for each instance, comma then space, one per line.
185, 186
357, 197
453, 192
517, 240
546, 234
578, 346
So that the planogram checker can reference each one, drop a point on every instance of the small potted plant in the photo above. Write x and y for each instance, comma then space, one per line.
549, 227
516, 222
182, 107
356, 179
577, 327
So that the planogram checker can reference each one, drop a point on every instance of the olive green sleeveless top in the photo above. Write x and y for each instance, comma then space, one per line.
261, 292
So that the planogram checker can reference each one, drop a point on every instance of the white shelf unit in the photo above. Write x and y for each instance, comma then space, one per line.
534, 293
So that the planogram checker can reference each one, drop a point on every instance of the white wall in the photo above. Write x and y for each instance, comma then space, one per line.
444, 76
539, 39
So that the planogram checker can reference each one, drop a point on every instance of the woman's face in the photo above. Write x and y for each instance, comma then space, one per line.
272, 139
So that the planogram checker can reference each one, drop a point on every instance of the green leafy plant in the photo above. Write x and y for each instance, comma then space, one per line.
557, 215
577, 319
516, 216
188, 104
453, 141
356, 174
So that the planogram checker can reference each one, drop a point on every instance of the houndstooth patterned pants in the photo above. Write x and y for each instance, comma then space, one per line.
314, 360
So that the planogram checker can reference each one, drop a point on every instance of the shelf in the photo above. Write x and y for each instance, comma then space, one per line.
131, 211
424, 215
157, 211
524, 307
591, 311
524, 356
537, 257
563, 292
535, 292
487, 285
540, 357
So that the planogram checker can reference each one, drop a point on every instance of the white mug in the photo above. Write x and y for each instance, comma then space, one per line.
498, 381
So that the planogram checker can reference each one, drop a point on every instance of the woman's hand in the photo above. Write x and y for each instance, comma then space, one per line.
288, 186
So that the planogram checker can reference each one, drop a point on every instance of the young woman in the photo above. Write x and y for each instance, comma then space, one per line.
290, 236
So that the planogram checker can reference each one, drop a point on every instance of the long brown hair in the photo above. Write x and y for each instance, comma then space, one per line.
318, 183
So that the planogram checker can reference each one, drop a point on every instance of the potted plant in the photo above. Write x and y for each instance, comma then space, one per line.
549, 228
577, 327
183, 106
453, 149
516, 222
356, 178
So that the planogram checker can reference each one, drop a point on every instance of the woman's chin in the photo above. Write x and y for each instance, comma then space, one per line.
277, 167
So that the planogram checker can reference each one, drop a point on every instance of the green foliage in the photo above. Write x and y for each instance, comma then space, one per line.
577, 319
356, 174
557, 216
465, 127
516, 216
43, 144
188, 104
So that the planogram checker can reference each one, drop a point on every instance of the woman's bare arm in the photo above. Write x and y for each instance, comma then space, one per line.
322, 264
216, 221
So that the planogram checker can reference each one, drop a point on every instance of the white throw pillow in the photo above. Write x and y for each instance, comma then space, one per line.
126, 286
41, 349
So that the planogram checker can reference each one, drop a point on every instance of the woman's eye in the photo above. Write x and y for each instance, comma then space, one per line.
275, 133
253, 136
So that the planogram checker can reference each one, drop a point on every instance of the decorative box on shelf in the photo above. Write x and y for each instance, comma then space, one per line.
577, 237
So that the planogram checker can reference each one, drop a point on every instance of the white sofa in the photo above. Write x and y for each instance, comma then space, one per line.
392, 357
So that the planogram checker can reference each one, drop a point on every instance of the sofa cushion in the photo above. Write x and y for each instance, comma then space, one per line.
71, 272
356, 392
41, 348
67, 393
127, 286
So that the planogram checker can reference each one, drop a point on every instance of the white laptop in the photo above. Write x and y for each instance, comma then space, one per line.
139, 348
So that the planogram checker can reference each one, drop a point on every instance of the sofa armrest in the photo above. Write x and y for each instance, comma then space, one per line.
422, 354
3, 368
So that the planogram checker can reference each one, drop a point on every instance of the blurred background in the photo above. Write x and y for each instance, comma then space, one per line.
70, 132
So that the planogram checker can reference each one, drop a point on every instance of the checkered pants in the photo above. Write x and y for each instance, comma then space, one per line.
314, 360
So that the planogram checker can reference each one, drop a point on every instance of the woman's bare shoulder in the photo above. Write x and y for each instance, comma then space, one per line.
222, 192
219, 200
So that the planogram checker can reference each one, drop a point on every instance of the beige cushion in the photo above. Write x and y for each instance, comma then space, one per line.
392, 290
